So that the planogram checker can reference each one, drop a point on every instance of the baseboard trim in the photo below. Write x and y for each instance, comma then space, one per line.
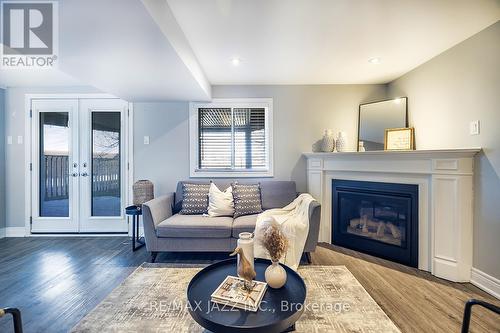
123, 234
485, 282
15, 232
2, 232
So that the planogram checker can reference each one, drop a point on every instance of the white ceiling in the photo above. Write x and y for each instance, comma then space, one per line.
324, 41
36, 78
156, 50
117, 47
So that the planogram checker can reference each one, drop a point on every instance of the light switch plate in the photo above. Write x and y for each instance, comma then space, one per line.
146, 140
474, 127
9, 140
19, 139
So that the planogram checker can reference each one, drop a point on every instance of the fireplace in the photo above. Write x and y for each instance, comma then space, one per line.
377, 218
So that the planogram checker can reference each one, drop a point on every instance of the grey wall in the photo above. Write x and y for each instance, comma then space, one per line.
15, 117
2, 160
301, 113
166, 159
445, 94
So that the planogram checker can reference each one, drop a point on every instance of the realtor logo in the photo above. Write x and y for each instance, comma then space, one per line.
29, 34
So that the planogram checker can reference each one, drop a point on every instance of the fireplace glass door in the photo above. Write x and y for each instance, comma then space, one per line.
376, 217
380, 219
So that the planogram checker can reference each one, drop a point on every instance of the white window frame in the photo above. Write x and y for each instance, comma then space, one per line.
195, 172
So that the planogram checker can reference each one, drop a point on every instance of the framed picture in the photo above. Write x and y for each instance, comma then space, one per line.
399, 139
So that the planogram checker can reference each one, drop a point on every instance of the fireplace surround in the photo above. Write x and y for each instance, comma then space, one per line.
445, 198
377, 218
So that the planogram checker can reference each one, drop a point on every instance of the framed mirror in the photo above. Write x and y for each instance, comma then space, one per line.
376, 117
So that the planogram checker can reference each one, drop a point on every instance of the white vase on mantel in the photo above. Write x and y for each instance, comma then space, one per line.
341, 144
361, 146
328, 143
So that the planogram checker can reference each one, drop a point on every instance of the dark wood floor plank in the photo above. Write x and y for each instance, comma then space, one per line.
56, 281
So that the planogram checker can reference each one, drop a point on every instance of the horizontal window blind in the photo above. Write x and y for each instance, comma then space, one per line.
232, 138
215, 138
249, 138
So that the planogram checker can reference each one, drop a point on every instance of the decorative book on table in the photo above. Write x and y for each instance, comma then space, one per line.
231, 293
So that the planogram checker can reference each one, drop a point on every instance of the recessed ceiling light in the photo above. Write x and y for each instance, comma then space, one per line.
374, 61
397, 100
235, 61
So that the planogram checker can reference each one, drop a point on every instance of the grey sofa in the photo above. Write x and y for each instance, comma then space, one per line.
165, 230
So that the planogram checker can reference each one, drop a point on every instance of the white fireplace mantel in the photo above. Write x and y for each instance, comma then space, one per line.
445, 184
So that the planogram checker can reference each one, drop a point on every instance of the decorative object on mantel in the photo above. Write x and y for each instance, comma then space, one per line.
341, 142
361, 146
276, 244
143, 191
375, 117
328, 143
399, 139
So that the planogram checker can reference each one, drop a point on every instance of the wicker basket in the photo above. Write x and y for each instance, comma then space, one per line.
143, 191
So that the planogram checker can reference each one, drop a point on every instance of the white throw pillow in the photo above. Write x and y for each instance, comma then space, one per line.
220, 203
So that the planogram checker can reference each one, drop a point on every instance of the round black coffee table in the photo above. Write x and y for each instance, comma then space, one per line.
279, 310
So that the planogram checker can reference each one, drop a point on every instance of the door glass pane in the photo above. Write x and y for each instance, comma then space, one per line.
106, 182
54, 169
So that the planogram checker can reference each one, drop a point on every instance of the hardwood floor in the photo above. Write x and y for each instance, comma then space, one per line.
56, 281
415, 300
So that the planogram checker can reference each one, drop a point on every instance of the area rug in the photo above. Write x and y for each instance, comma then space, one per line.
153, 299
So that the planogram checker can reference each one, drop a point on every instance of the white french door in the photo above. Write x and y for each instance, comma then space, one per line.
78, 165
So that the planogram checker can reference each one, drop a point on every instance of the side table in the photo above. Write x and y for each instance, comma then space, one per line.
135, 212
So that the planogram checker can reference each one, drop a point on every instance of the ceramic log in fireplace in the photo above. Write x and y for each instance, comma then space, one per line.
380, 219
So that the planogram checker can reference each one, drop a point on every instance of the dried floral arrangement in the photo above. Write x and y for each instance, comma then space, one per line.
275, 242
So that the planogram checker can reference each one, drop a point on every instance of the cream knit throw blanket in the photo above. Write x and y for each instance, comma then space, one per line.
294, 222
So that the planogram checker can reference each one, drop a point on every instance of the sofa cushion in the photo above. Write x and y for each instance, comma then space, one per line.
277, 194
274, 193
179, 193
244, 224
195, 199
220, 203
246, 199
192, 226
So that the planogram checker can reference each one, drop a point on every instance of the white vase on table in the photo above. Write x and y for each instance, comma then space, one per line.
246, 242
275, 275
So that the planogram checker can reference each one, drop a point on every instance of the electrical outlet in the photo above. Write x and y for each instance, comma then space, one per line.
474, 127
146, 140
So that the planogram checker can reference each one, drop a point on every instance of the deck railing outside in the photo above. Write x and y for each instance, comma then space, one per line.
55, 174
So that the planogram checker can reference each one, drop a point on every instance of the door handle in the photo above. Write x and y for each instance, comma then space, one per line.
84, 174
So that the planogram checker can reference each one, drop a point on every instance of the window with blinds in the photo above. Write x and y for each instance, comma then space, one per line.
232, 139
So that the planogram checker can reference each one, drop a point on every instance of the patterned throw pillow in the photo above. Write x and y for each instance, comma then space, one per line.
246, 199
194, 199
